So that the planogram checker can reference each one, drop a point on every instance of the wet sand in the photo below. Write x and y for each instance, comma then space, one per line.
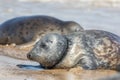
10, 57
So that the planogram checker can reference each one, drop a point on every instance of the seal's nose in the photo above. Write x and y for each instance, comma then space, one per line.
29, 56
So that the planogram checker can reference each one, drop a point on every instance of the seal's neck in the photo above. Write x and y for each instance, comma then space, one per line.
58, 64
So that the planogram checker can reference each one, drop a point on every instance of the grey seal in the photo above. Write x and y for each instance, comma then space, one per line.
90, 49
29, 29
49, 50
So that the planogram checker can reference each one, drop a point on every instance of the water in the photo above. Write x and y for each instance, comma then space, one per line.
30, 67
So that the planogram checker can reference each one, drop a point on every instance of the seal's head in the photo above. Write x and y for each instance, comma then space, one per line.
71, 26
49, 50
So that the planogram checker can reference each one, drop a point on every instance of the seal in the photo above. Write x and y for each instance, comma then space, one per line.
49, 50
90, 49
29, 29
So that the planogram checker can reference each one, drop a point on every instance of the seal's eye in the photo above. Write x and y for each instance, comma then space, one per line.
42, 45
49, 41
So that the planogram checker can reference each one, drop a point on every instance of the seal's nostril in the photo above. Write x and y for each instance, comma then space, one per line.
28, 56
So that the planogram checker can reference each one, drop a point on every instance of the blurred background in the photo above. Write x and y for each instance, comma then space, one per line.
90, 14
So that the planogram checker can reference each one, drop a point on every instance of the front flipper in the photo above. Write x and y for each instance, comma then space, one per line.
88, 62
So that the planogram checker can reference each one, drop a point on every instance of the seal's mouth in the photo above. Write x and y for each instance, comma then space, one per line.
29, 56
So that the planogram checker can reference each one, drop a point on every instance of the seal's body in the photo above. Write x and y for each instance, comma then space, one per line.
104, 48
91, 49
26, 29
